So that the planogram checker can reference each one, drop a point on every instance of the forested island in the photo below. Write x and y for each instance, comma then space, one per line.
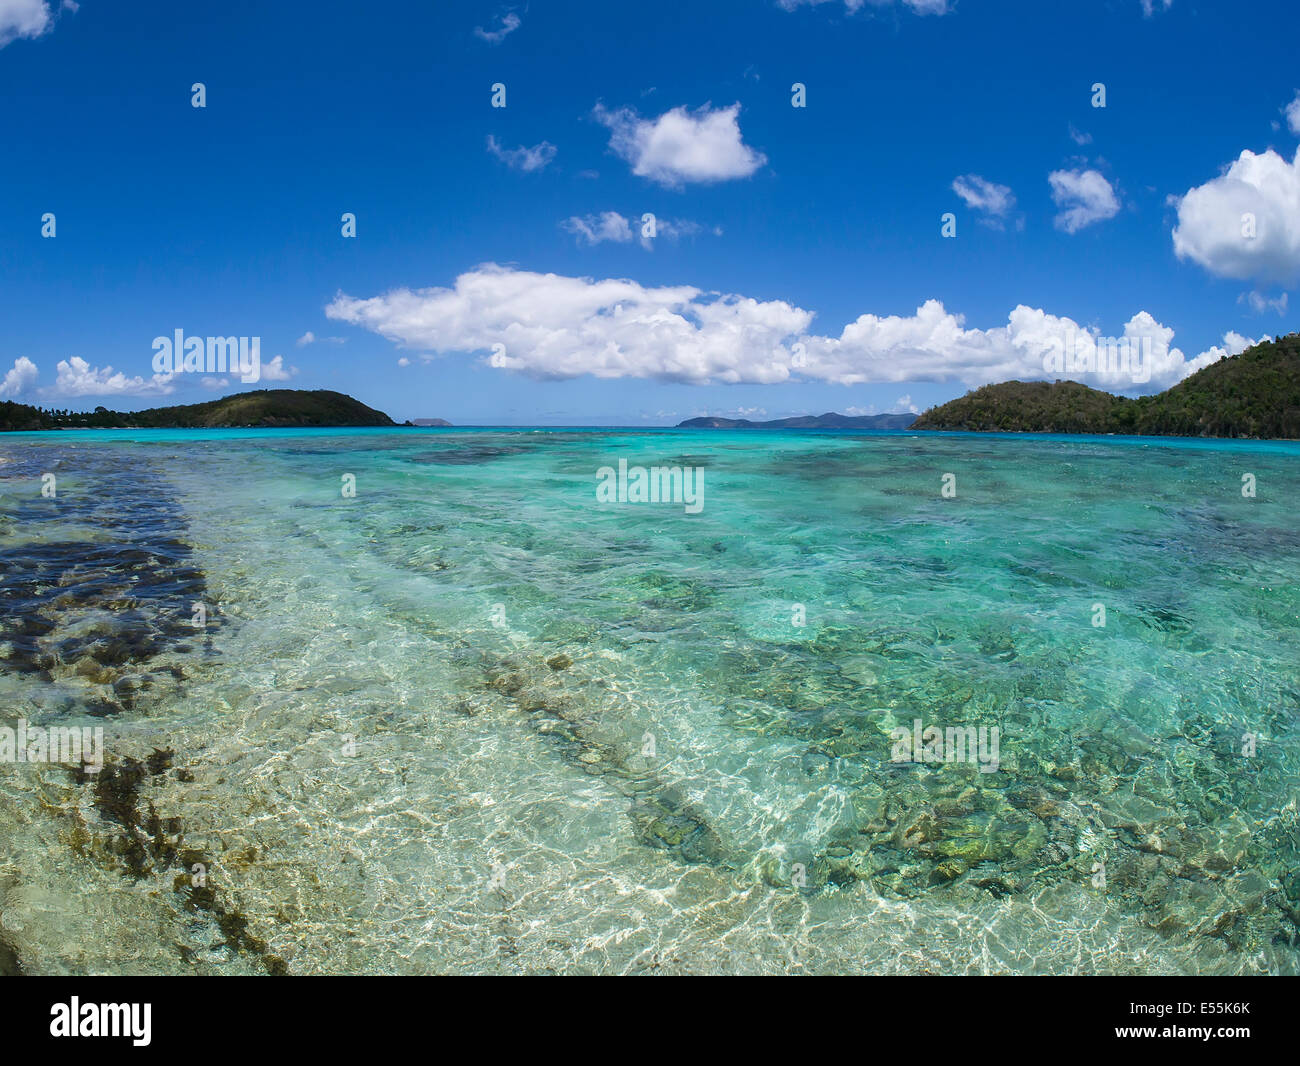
1255, 394
266, 408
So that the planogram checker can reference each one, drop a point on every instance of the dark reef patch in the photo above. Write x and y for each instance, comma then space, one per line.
232, 924
102, 606
147, 842
150, 845
10, 965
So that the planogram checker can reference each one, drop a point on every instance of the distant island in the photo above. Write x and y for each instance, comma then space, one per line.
826, 421
1255, 394
430, 422
264, 408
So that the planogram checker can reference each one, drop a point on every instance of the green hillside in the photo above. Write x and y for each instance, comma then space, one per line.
264, 408
1254, 394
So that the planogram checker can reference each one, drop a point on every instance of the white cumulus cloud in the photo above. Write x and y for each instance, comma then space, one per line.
991, 200
24, 19
592, 229
1084, 197
682, 146
561, 327
275, 370
18, 380
1292, 113
1246, 222
934, 345
555, 327
76, 377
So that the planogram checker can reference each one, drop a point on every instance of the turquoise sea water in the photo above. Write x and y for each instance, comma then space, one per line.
472, 720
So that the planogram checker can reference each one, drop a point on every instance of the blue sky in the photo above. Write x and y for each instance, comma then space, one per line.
777, 228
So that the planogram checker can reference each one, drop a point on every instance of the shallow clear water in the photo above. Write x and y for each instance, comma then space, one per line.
473, 720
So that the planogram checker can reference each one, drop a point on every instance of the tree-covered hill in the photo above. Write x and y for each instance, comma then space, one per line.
263, 407
1254, 394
